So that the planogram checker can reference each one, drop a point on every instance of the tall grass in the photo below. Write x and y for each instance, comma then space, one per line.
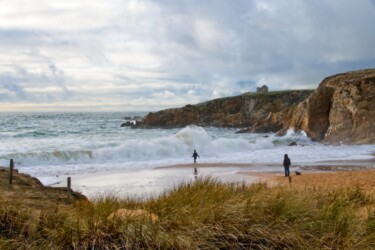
205, 214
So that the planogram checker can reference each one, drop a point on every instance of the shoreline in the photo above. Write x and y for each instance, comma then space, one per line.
146, 183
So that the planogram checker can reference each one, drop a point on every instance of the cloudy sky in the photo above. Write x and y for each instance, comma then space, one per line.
124, 55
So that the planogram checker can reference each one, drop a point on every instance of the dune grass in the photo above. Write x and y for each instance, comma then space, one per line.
205, 214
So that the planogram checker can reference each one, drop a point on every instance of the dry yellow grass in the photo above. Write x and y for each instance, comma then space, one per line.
29, 193
204, 214
140, 214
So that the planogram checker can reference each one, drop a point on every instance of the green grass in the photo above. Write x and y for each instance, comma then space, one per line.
270, 94
205, 214
277, 93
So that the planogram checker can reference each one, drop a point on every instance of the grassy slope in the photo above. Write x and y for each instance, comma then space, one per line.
271, 94
205, 214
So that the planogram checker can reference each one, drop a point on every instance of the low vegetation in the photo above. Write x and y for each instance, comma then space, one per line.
276, 93
205, 214
270, 94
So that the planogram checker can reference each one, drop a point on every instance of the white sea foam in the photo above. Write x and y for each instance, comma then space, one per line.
89, 143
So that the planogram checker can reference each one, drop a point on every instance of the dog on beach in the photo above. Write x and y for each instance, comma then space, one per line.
298, 173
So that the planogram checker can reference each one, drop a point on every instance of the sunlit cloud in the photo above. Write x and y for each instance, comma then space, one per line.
148, 55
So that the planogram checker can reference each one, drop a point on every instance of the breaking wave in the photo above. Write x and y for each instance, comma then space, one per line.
176, 146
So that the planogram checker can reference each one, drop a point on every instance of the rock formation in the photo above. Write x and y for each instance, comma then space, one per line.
341, 110
246, 110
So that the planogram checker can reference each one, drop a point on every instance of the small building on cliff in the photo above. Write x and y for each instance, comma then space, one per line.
263, 89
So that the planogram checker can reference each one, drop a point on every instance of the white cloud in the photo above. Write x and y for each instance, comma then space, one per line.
131, 54
164, 94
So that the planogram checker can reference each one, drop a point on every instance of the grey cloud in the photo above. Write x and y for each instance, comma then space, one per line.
208, 48
34, 38
25, 37
15, 84
307, 39
59, 78
249, 84
12, 89
125, 79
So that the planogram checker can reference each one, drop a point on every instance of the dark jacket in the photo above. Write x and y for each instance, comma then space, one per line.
195, 155
287, 162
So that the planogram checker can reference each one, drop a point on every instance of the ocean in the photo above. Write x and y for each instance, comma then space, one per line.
48, 145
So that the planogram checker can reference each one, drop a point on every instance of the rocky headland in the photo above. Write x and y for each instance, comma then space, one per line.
340, 110
241, 111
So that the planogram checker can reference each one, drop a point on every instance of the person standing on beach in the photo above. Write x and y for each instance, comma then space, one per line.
195, 155
286, 164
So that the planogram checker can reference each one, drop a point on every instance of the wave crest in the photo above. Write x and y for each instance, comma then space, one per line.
177, 146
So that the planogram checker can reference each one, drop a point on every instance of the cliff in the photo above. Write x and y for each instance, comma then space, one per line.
341, 110
246, 110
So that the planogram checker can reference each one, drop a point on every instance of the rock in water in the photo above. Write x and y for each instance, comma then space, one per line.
127, 124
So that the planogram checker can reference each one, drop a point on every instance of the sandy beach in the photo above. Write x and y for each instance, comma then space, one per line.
152, 182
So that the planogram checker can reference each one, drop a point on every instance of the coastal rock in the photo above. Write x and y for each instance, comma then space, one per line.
259, 112
131, 121
128, 124
341, 110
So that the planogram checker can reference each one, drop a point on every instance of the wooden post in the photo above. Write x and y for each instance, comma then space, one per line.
11, 167
195, 173
290, 179
69, 185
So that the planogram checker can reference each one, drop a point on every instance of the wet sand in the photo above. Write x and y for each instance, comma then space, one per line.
152, 182
149, 182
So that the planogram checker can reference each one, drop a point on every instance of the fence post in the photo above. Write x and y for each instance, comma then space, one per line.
11, 167
290, 179
69, 185
195, 173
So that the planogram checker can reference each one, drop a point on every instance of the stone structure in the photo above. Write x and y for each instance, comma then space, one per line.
263, 89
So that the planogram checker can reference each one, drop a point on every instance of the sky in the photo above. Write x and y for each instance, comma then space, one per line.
143, 55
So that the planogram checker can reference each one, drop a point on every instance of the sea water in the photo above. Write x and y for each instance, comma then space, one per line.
47, 145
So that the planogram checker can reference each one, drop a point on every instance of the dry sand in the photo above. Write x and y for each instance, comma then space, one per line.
323, 175
152, 182
365, 180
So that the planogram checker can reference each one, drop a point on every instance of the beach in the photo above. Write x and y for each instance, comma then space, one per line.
309, 207
147, 183
151, 183
103, 158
